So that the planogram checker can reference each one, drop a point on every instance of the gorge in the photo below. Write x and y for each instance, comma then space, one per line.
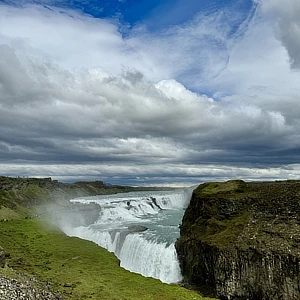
238, 240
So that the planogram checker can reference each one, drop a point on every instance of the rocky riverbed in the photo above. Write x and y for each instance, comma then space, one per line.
11, 289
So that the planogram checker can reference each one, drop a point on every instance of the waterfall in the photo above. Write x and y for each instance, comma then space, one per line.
121, 228
150, 258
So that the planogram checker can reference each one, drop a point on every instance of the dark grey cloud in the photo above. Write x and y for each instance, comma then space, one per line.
85, 118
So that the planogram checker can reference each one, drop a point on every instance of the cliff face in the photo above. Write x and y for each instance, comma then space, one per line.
242, 240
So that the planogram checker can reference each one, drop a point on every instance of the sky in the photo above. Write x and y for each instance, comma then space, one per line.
150, 92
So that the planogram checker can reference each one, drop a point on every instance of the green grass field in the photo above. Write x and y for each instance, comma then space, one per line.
76, 268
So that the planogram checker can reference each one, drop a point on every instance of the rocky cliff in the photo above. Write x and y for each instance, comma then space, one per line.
241, 240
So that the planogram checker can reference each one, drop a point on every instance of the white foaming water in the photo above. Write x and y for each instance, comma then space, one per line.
119, 229
150, 258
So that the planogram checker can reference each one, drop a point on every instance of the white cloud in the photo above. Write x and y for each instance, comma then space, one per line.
192, 52
176, 175
200, 48
287, 14
69, 38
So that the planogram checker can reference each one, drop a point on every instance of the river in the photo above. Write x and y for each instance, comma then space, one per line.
140, 228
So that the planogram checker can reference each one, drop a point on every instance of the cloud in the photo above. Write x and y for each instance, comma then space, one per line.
130, 174
70, 38
90, 114
287, 14
79, 100
201, 47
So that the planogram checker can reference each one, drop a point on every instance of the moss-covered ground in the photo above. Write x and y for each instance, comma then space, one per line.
260, 215
76, 268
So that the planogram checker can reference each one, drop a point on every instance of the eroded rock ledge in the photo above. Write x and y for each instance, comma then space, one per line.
242, 240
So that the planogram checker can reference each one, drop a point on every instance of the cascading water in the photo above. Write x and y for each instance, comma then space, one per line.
140, 228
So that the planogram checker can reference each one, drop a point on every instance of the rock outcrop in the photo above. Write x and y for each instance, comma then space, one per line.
2, 258
241, 240
137, 228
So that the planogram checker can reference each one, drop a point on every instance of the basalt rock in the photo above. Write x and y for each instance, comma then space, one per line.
241, 240
2, 258
137, 228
